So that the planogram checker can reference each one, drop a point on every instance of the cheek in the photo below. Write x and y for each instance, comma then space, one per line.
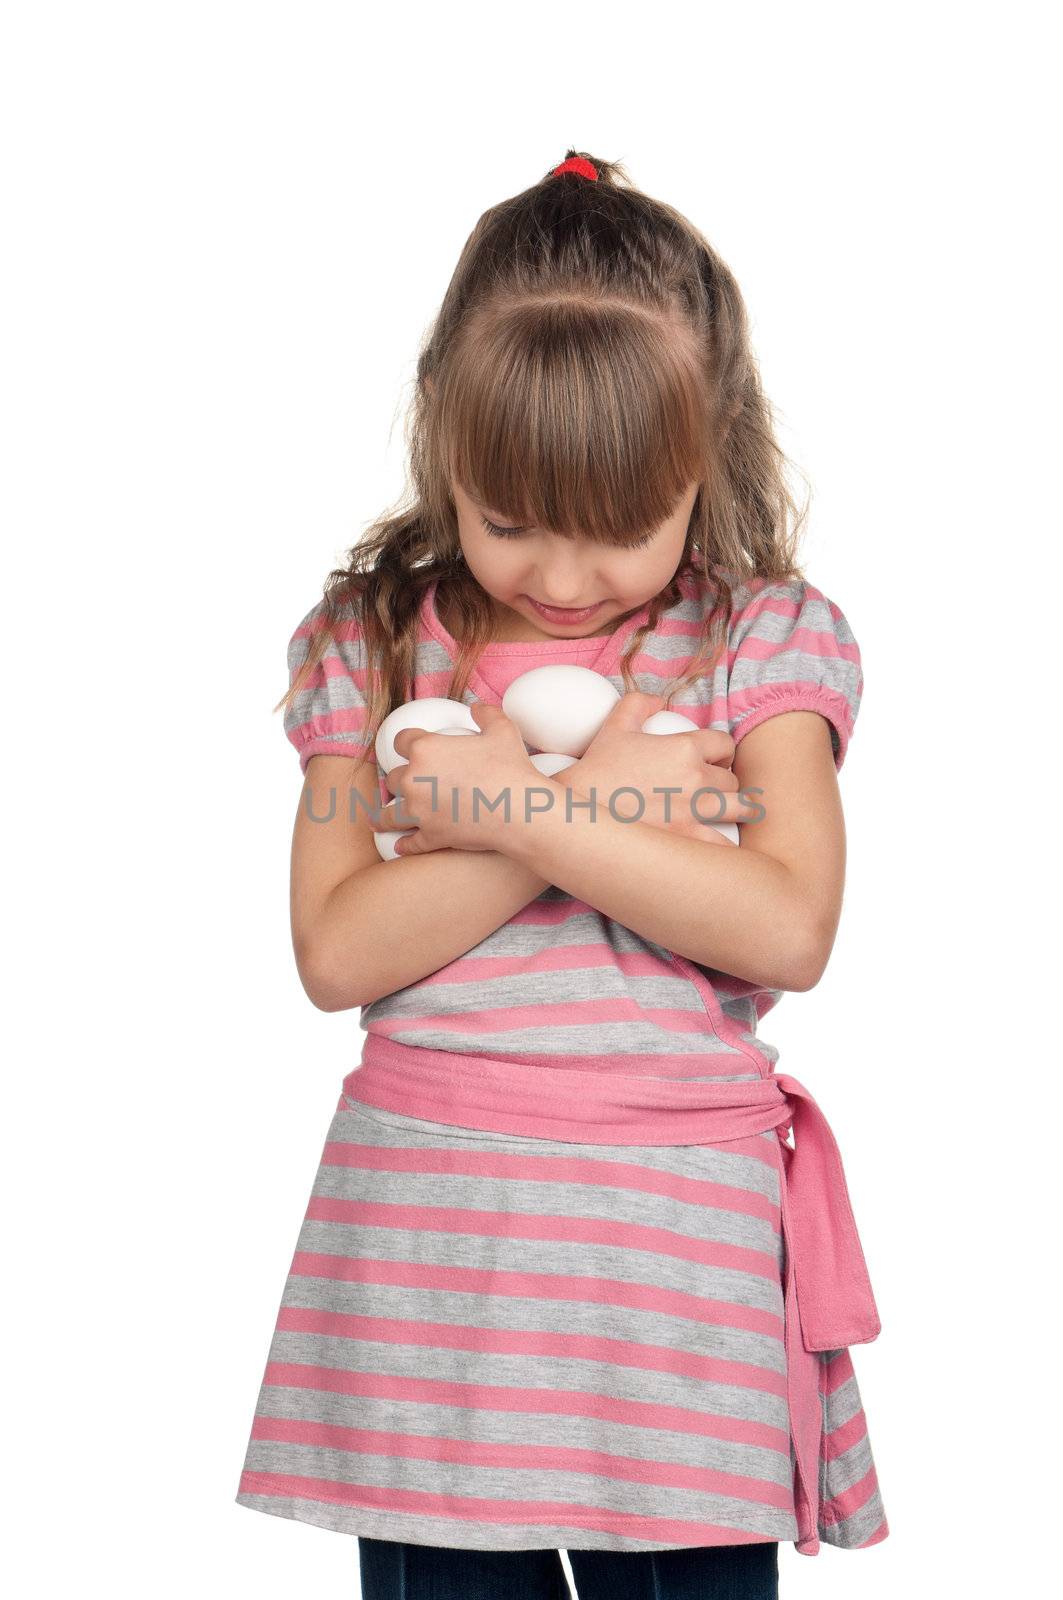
660, 564
493, 562
647, 578
486, 572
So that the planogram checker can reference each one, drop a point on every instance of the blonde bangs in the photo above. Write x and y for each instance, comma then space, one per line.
587, 418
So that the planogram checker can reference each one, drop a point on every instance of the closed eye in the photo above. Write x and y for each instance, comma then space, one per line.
510, 533
500, 533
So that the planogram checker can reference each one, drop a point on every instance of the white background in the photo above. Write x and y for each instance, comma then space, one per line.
227, 228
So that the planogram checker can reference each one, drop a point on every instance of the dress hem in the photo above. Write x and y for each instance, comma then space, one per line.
414, 1529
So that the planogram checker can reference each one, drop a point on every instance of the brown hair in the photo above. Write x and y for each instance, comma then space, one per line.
590, 361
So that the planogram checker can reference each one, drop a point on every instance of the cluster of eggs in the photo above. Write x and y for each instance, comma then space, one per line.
557, 710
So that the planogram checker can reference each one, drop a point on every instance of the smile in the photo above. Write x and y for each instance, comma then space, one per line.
564, 613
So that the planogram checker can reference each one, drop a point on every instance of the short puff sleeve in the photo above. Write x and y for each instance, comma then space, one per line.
328, 716
790, 648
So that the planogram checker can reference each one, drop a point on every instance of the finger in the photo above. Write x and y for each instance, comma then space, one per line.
717, 747
485, 714
414, 844
720, 778
388, 818
712, 806
401, 749
632, 709
488, 717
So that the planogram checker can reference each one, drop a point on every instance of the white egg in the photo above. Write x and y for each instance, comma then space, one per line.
669, 722
432, 713
548, 763
559, 708
457, 730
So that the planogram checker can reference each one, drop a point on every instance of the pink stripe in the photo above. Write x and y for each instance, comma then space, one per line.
564, 958
330, 723
668, 669
670, 627
511, 1398
809, 641
842, 1438
843, 1505
468, 1508
529, 1342
521, 1458
597, 1174
491, 1282
346, 628
434, 683
334, 666
551, 1229
572, 1013
781, 605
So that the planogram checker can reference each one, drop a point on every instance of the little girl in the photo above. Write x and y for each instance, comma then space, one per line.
564, 1283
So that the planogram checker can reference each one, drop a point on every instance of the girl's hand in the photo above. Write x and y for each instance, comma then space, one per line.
622, 757
442, 811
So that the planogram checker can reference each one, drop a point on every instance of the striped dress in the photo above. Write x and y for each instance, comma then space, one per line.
498, 1341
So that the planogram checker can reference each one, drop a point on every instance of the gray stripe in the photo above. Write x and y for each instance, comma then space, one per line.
504, 1313
537, 1197
461, 1480
854, 1531
642, 1443
841, 1406
642, 1384
368, 1125
490, 1253
842, 1471
563, 986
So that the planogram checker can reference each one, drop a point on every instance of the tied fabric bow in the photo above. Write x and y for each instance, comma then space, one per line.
834, 1295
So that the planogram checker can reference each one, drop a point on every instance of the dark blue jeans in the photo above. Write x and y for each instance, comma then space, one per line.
394, 1571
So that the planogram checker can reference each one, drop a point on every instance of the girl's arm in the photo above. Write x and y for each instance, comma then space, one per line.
362, 927
767, 912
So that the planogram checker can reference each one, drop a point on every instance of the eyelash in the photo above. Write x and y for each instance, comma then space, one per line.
512, 533
501, 533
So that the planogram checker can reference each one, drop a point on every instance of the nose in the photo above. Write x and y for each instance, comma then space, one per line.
564, 584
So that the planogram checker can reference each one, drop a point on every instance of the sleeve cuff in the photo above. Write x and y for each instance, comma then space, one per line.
797, 697
322, 745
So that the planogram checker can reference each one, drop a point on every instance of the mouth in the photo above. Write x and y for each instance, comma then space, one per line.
564, 614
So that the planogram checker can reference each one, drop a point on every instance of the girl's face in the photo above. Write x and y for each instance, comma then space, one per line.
591, 587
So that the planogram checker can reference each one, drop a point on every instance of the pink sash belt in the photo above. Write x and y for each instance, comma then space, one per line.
827, 1272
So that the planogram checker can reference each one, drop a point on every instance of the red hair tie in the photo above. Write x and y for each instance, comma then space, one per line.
580, 164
